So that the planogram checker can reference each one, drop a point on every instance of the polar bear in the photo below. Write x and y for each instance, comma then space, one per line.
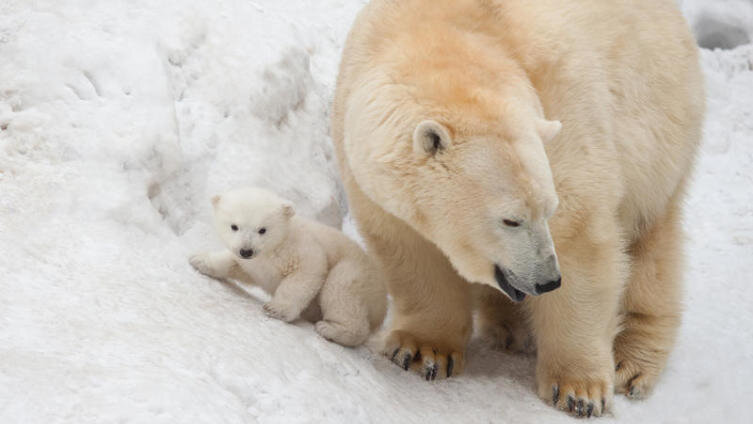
311, 270
540, 148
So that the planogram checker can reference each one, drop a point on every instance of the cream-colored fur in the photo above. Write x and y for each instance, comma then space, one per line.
311, 270
476, 138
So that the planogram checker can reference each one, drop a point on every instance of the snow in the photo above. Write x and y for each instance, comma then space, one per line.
120, 119
720, 23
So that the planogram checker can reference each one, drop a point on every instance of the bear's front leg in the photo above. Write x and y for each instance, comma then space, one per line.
216, 265
432, 317
575, 326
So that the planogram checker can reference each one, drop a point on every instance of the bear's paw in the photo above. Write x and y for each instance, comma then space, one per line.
431, 360
202, 263
584, 395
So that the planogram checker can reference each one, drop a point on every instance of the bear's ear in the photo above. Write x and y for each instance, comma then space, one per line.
548, 129
215, 200
430, 137
288, 210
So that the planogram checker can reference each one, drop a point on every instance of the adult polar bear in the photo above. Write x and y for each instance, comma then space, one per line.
447, 128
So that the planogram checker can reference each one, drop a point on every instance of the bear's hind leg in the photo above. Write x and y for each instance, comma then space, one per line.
652, 309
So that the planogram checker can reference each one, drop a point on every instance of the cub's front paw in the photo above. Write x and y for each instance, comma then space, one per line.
279, 311
583, 395
201, 262
432, 360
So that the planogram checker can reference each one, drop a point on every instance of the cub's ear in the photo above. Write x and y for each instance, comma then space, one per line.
288, 210
430, 137
215, 200
548, 129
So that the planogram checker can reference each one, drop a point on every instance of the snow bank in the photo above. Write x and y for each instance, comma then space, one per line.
118, 121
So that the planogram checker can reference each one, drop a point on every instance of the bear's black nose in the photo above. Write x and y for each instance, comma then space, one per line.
547, 287
247, 253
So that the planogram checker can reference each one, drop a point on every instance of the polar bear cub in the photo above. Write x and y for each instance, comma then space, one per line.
311, 270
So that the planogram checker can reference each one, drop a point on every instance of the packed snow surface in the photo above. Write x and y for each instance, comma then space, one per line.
120, 119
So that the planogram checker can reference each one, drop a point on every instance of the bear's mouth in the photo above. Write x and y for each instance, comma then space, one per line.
514, 294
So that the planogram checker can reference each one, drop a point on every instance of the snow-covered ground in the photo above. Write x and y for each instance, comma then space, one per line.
118, 121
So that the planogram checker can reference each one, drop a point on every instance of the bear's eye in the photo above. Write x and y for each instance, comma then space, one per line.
234, 227
262, 230
510, 223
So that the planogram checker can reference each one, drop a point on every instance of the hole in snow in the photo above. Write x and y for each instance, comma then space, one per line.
714, 34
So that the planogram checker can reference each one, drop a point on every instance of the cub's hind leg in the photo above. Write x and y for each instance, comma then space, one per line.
344, 314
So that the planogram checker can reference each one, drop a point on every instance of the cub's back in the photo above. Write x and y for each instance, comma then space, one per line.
336, 245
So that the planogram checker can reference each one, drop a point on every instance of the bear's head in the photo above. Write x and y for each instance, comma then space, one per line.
251, 221
465, 166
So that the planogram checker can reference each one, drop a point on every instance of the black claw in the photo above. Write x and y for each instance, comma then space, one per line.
450, 366
590, 409
407, 360
603, 405
555, 395
579, 408
631, 392
394, 354
570, 403
431, 372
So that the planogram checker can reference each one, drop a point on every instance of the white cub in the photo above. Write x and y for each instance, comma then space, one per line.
311, 270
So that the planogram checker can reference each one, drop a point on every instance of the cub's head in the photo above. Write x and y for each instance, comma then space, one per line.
251, 221
465, 170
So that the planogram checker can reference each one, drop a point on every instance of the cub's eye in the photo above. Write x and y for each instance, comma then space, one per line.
262, 230
510, 223
234, 227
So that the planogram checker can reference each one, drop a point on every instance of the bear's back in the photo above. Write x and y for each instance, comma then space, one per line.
621, 75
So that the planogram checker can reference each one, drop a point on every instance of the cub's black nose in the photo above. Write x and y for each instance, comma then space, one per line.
247, 253
547, 287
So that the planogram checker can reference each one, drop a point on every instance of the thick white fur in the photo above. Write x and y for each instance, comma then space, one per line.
579, 120
311, 270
